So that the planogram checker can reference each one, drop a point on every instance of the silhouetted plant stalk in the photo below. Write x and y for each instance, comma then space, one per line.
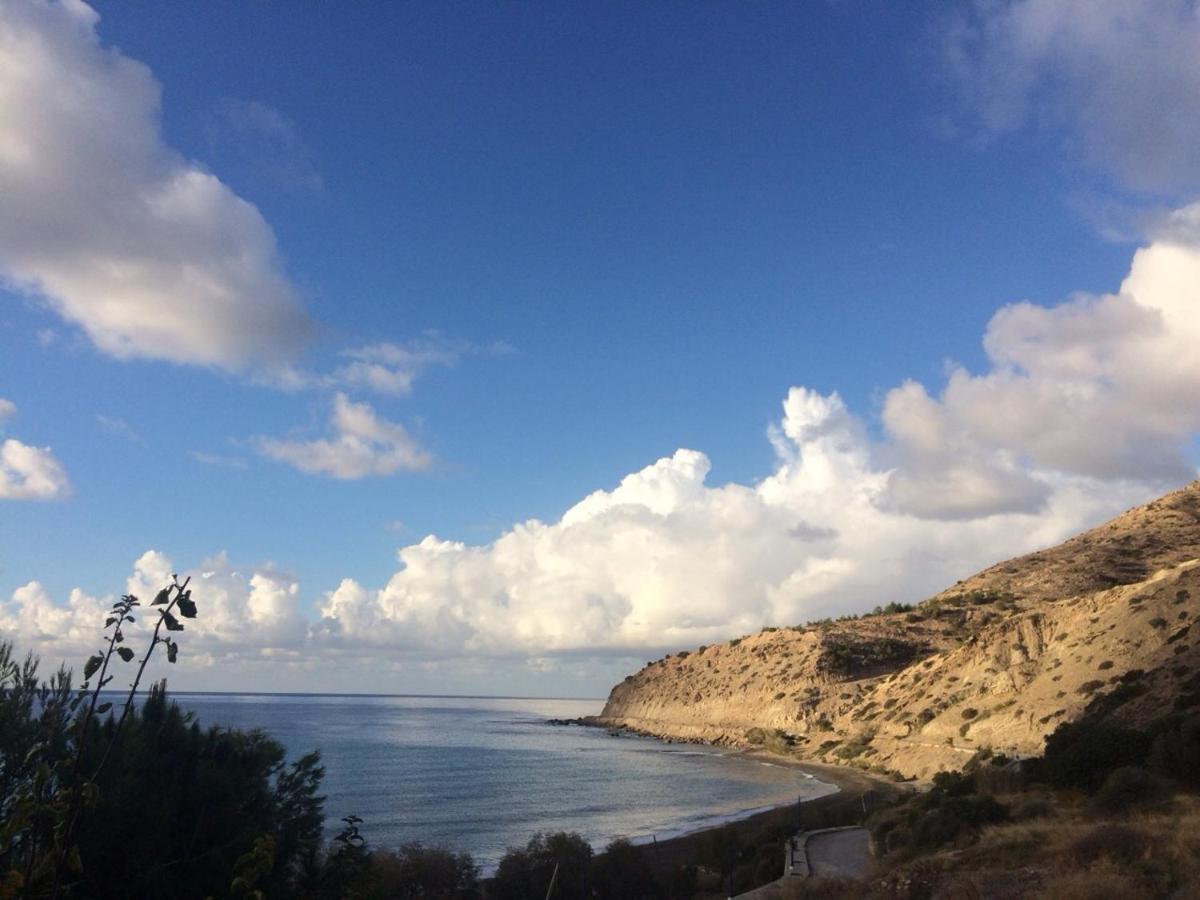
175, 597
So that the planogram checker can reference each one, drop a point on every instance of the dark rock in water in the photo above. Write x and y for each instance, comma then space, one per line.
578, 721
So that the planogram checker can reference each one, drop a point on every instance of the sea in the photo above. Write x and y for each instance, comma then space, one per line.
483, 774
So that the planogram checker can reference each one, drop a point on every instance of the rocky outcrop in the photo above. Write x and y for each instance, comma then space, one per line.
996, 662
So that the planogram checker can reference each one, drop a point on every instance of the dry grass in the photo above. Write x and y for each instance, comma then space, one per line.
1072, 854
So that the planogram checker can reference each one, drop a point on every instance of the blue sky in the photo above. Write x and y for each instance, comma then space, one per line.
591, 235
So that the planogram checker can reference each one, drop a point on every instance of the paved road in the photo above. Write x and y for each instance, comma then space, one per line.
840, 853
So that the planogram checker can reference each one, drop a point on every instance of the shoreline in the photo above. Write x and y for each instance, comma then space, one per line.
845, 805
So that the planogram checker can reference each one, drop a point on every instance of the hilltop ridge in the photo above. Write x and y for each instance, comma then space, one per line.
993, 663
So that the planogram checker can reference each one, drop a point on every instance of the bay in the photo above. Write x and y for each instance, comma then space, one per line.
482, 774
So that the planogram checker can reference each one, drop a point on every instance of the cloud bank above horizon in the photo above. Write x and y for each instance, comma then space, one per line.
995, 464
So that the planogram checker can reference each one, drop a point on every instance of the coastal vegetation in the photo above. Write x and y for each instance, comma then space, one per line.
132, 797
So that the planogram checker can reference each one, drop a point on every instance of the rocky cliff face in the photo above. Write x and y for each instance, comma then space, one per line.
998, 661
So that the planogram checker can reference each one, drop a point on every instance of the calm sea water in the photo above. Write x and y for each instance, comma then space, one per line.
484, 774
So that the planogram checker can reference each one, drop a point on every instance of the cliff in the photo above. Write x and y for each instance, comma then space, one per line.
997, 661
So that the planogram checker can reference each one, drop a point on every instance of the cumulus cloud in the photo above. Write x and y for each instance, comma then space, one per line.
1088, 407
244, 614
148, 253
664, 559
28, 473
363, 444
1124, 76
34, 620
1103, 387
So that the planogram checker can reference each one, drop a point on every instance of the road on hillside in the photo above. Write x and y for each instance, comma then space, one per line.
845, 854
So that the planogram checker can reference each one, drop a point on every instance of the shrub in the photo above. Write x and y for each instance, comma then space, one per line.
1128, 789
1081, 754
1175, 752
418, 871
1119, 843
1032, 808
622, 873
526, 872
970, 713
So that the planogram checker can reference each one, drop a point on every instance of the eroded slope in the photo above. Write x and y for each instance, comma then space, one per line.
997, 661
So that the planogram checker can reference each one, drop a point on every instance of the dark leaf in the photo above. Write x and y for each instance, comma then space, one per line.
164, 596
172, 651
171, 622
187, 608
126, 653
119, 638
103, 708
92, 665
109, 621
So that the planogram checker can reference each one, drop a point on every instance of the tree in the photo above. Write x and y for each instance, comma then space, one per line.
527, 872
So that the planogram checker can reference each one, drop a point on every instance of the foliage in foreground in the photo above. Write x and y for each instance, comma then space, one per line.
101, 800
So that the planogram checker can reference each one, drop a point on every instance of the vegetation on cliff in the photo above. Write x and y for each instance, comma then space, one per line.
996, 662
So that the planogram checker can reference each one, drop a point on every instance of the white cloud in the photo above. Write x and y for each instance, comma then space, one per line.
1088, 408
151, 255
1103, 387
363, 444
35, 621
390, 368
664, 559
28, 473
1124, 76
242, 615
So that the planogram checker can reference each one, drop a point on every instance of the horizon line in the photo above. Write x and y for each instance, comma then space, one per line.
356, 694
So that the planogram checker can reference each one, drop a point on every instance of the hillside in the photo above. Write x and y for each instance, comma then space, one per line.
997, 661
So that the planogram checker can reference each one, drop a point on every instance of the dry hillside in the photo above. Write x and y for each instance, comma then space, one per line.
997, 661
